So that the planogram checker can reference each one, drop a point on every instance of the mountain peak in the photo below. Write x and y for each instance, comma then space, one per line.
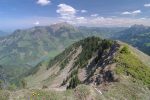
62, 24
57, 26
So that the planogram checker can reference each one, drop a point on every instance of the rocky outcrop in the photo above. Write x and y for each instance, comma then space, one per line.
101, 69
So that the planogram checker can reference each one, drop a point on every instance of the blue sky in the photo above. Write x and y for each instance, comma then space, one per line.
16, 14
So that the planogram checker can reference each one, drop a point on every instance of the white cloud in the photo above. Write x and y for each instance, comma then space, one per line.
136, 12
80, 20
132, 12
126, 13
94, 15
143, 18
43, 2
66, 11
147, 5
68, 14
37, 23
83, 11
109, 21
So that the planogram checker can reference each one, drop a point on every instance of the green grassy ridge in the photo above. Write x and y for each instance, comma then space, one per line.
127, 90
129, 64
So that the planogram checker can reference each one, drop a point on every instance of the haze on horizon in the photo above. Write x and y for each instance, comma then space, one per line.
16, 14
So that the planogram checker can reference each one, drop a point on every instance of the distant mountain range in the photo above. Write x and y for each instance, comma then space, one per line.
137, 35
24, 49
103, 32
